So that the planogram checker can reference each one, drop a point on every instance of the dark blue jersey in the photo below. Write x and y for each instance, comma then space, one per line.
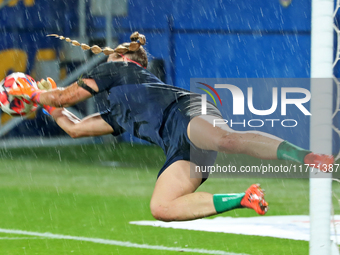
138, 100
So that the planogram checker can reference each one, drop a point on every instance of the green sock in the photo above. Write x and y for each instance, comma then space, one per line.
226, 202
288, 151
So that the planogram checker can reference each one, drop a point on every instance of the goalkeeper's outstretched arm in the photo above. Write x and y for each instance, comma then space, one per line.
93, 125
57, 97
65, 97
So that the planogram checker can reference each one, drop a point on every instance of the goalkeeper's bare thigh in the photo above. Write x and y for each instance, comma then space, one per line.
205, 134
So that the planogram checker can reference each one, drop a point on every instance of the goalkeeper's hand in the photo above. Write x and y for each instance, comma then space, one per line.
47, 84
25, 90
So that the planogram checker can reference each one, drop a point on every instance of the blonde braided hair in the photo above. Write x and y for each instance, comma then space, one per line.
136, 38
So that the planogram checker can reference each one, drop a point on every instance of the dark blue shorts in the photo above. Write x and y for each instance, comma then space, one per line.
174, 134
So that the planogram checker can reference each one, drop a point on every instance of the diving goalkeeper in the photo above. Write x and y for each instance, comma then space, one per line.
139, 103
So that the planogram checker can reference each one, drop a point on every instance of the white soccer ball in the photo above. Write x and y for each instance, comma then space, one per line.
13, 105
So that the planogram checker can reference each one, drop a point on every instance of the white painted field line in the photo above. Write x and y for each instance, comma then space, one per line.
19, 238
117, 243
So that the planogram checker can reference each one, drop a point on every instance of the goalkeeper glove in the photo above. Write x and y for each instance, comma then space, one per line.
47, 85
26, 90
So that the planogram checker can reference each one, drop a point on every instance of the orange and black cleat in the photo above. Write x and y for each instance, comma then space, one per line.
254, 199
320, 161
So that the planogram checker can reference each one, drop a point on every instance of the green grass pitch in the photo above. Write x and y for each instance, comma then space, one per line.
77, 191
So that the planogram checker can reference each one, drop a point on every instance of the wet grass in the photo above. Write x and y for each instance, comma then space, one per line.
96, 190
